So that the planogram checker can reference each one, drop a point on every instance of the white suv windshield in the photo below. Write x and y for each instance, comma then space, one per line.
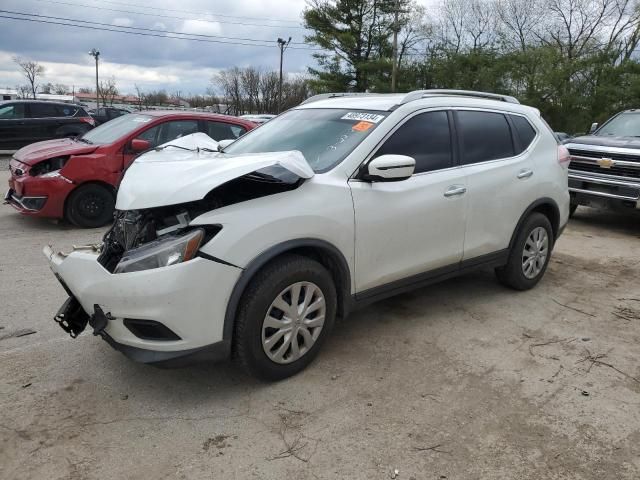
324, 136
115, 129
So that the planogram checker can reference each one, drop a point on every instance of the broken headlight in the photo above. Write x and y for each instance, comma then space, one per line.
163, 252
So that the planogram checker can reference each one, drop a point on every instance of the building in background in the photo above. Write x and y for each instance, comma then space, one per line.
8, 94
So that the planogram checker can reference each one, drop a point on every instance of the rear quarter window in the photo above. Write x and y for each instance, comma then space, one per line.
524, 131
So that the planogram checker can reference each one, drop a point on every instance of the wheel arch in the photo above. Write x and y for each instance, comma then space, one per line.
101, 183
546, 206
320, 250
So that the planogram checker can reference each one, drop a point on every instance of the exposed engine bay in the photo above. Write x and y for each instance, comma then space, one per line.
134, 228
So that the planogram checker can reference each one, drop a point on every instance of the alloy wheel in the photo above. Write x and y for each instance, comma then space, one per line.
535, 252
293, 322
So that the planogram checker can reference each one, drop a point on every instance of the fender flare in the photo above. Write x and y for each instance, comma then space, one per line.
343, 288
541, 202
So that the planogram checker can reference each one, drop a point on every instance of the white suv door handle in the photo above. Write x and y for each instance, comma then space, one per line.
455, 190
525, 174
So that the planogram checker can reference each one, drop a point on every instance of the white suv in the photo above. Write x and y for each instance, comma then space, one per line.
346, 199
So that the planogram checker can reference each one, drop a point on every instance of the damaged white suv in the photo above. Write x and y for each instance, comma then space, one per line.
252, 252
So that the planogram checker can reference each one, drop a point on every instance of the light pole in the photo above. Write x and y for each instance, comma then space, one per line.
95, 54
283, 46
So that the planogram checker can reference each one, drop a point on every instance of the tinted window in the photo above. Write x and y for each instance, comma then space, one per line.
43, 110
12, 111
176, 129
224, 131
524, 130
66, 110
151, 135
101, 112
424, 137
485, 136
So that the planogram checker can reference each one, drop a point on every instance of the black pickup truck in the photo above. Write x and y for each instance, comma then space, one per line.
605, 164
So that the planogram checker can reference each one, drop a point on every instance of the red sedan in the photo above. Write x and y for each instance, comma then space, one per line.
77, 178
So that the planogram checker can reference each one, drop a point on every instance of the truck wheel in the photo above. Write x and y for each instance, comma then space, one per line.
90, 206
529, 255
285, 315
572, 209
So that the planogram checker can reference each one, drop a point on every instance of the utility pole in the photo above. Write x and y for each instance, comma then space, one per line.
282, 44
95, 54
394, 67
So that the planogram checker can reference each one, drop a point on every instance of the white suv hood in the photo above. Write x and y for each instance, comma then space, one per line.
173, 176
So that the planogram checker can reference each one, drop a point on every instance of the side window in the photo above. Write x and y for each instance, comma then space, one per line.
485, 136
224, 131
524, 130
151, 135
424, 137
66, 110
176, 129
8, 112
43, 110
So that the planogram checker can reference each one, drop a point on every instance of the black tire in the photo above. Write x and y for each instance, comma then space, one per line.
572, 209
263, 289
90, 206
512, 274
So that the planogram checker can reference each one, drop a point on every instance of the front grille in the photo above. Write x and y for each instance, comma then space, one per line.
598, 155
615, 171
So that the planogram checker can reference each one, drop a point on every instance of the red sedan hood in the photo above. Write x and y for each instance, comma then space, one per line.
36, 152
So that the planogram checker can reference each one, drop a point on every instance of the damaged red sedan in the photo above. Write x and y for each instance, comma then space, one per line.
76, 178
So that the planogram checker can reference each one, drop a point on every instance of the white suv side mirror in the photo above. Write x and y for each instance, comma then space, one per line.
594, 127
390, 168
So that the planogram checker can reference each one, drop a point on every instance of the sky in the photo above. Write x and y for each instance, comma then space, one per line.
150, 62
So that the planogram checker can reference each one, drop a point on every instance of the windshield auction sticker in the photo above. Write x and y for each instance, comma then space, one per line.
362, 126
360, 117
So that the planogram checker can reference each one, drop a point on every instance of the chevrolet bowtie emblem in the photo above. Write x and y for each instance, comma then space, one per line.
606, 162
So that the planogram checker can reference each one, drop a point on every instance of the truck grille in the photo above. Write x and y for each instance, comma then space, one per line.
613, 171
613, 156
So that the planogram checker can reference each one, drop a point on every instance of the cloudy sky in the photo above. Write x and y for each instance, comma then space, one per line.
149, 61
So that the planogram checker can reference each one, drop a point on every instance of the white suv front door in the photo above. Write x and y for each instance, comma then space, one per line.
408, 227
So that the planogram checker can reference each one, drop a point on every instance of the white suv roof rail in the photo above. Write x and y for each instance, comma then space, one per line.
324, 96
418, 94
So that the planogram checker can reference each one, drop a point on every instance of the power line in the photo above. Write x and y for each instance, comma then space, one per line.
89, 27
200, 13
173, 17
49, 17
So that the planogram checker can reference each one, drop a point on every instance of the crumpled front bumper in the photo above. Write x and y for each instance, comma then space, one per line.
189, 298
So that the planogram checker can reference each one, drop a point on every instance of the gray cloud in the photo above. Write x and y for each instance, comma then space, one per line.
152, 62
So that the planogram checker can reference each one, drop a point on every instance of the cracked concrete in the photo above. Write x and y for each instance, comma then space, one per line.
459, 380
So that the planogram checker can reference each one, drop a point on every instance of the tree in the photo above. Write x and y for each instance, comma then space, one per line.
85, 90
32, 72
357, 33
60, 89
108, 90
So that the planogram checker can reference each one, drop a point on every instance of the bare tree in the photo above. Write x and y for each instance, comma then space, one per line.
60, 89
108, 90
32, 72
140, 97
24, 91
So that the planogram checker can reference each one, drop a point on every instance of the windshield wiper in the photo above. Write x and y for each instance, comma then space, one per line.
84, 140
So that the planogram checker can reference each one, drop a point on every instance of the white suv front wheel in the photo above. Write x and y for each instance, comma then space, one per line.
285, 315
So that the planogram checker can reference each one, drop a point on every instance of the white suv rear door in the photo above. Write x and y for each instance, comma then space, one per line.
404, 228
502, 181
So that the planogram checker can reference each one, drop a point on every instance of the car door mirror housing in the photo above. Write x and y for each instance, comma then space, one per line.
594, 127
222, 144
390, 168
140, 145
